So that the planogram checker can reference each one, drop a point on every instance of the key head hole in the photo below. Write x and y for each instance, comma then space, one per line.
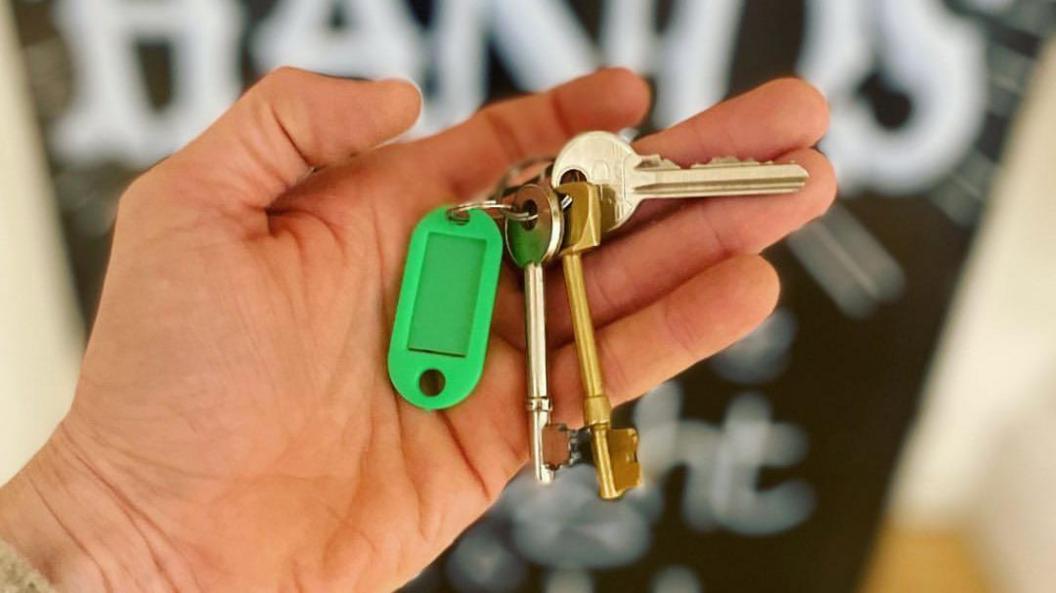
573, 176
532, 209
431, 382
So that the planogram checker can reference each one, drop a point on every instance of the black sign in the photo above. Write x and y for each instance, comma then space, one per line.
767, 465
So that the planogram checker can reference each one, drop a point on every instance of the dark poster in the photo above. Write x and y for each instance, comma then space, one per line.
767, 465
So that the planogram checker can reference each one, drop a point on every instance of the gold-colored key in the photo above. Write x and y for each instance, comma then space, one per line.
615, 450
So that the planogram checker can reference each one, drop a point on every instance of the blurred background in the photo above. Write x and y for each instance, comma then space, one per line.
891, 427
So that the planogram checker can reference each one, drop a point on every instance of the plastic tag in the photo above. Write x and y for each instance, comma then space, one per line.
443, 318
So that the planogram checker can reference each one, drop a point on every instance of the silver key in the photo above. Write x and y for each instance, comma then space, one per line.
608, 160
531, 245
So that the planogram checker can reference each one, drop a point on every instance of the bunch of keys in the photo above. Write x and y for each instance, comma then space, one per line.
546, 220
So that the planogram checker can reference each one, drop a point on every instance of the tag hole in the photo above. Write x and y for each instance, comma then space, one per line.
431, 382
531, 209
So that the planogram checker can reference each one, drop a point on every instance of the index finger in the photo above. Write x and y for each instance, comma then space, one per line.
471, 156
775, 118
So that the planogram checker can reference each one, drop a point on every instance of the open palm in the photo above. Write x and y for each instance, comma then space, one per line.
234, 413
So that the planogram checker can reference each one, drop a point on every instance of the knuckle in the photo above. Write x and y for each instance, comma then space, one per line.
277, 81
681, 331
285, 74
503, 133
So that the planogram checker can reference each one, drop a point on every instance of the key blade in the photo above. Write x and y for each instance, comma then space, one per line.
623, 454
721, 177
609, 161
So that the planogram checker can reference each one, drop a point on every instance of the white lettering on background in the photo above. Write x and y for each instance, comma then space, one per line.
541, 43
921, 50
111, 116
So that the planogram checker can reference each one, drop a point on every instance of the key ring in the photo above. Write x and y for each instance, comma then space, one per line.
515, 170
460, 212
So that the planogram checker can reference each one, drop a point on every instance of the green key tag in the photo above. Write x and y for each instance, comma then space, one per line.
443, 318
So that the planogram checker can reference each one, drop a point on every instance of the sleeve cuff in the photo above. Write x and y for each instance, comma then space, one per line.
17, 576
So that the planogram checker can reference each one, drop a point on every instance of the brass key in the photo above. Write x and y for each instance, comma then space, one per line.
615, 450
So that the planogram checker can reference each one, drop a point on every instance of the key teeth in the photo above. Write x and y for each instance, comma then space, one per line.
655, 162
731, 161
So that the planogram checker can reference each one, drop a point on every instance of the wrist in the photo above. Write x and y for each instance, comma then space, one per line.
30, 527
60, 516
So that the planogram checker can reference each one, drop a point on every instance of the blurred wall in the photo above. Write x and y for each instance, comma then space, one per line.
40, 335
983, 454
998, 352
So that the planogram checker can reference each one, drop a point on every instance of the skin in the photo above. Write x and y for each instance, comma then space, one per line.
234, 428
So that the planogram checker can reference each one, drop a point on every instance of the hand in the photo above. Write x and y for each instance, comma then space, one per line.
234, 428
